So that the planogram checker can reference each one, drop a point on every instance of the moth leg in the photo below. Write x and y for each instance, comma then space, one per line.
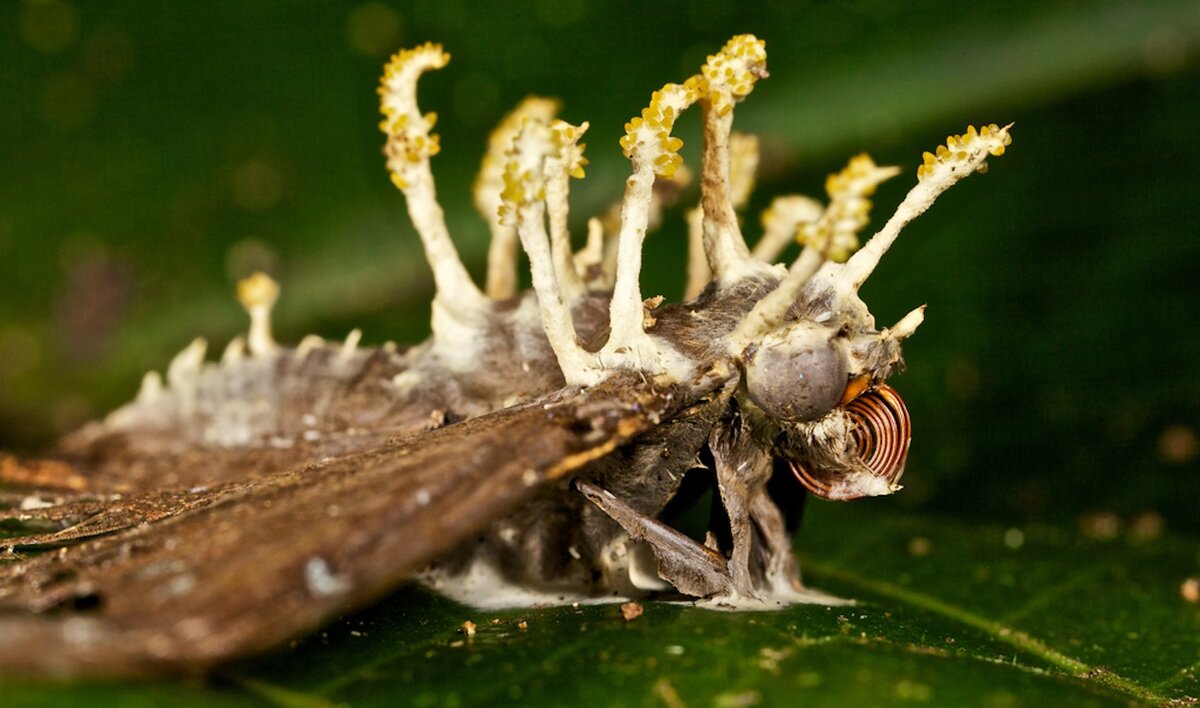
742, 473
692, 568
781, 573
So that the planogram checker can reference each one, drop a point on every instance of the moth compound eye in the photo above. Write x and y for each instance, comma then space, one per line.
797, 373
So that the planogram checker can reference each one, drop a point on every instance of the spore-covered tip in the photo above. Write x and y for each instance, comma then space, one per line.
258, 294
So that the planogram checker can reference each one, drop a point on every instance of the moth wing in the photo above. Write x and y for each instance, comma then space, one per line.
241, 568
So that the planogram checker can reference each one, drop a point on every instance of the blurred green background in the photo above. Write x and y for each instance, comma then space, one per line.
151, 153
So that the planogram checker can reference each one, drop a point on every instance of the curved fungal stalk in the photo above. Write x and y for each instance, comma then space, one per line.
782, 221
410, 144
962, 155
743, 164
489, 183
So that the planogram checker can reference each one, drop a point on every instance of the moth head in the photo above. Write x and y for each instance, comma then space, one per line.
821, 378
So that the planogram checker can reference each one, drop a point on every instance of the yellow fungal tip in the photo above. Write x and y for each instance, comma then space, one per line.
257, 290
970, 148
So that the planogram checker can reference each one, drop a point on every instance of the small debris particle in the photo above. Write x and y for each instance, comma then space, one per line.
1190, 590
1178, 445
737, 700
631, 611
495, 620
468, 628
674, 650
457, 643
769, 658
668, 694
422, 497
1147, 526
523, 625
919, 546
1014, 538
913, 691
356, 633
1101, 526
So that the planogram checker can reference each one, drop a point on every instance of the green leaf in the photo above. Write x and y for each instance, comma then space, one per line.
943, 614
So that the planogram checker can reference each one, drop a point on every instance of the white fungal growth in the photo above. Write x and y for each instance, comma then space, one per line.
151, 388
184, 369
743, 164
523, 189
346, 352
409, 147
565, 162
321, 580
835, 234
524, 204
652, 150
502, 253
907, 324
234, 352
309, 344
781, 221
962, 155
258, 294
727, 77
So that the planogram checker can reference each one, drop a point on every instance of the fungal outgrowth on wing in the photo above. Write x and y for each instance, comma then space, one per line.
732, 72
969, 149
835, 234
258, 294
648, 138
743, 164
781, 223
489, 183
523, 186
502, 252
458, 305
963, 155
524, 169
409, 140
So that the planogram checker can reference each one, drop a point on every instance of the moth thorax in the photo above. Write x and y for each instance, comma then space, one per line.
797, 373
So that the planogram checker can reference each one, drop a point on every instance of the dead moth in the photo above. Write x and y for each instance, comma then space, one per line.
538, 436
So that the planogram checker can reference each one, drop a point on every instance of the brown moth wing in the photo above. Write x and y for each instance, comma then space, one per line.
240, 568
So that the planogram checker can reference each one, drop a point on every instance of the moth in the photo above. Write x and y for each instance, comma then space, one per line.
538, 438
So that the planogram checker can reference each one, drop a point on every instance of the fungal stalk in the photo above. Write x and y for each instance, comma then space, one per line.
522, 191
502, 252
410, 145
